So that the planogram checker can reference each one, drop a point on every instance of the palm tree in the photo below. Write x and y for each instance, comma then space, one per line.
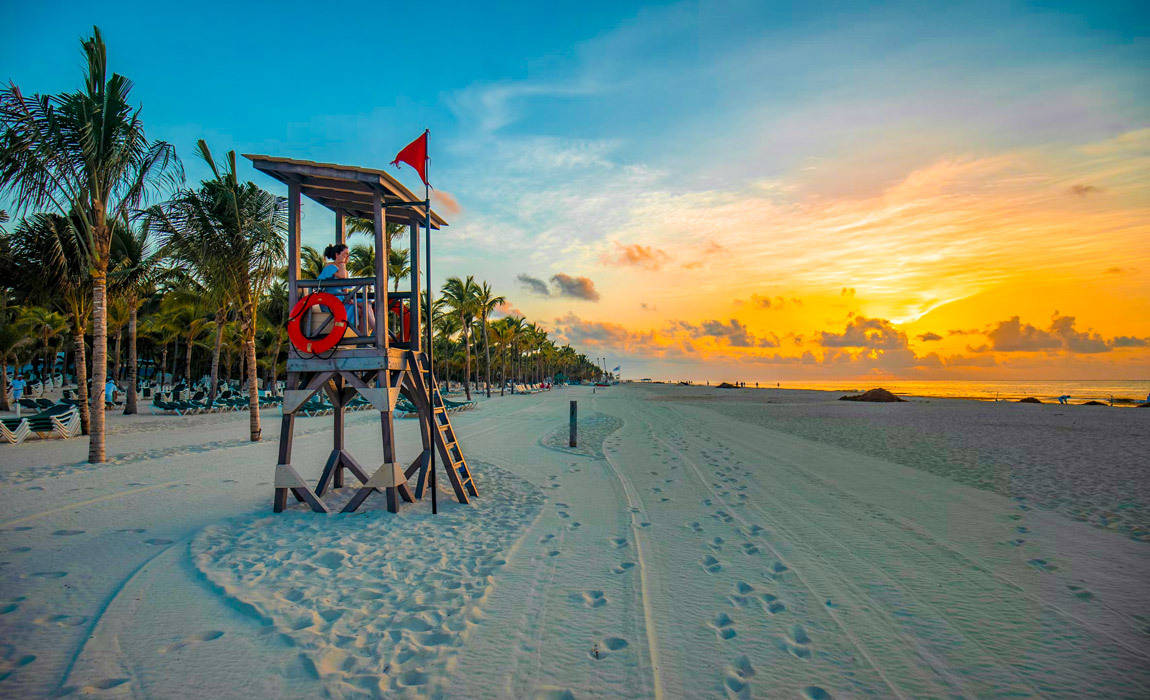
236, 230
11, 338
398, 266
51, 264
501, 333
485, 302
459, 295
311, 263
137, 265
361, 261
44, 324
84, 152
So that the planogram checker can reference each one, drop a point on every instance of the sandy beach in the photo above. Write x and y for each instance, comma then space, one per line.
697, 543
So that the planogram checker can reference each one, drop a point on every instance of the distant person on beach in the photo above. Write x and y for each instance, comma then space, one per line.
337, 269
110, 391
18, 385
1064, 399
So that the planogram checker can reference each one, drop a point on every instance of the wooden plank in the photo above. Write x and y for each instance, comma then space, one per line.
293, 250
379, 220
347, 360
340, 228
416, 341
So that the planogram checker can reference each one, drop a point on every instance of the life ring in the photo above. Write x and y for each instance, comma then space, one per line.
338, 326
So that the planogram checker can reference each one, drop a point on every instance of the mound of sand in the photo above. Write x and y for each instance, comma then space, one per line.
726, 385
873, 396
1029, 399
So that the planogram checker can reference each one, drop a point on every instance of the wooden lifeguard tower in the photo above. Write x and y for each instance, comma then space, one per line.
379, 364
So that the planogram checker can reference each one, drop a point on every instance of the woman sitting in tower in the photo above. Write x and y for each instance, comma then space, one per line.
336, 268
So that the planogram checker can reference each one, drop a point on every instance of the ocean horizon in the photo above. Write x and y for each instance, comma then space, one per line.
982, 390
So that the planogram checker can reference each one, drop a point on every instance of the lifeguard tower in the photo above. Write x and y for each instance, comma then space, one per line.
347, 358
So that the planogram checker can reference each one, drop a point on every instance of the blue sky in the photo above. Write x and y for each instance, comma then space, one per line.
569, 130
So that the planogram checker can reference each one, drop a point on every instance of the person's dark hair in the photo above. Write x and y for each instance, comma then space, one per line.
331, 251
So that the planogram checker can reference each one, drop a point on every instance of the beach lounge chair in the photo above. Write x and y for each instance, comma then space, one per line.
14, 430
61, 420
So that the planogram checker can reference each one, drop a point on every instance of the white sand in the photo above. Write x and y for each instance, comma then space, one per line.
689, 547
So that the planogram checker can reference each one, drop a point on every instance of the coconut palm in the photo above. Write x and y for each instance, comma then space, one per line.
45, 325
137, 264
486, 302
11, 339
84, 152
311, 263
236, 231
51, 265
459, 296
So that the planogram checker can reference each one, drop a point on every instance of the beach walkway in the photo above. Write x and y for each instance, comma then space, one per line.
677, 552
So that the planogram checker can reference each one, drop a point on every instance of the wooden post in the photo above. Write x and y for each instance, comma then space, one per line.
380, 221
574, 423
340, 228
413, 260
293, 244
337, 432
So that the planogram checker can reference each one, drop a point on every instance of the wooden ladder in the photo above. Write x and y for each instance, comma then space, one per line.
446, 440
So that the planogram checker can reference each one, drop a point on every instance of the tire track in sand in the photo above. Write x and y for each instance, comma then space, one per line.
635, 506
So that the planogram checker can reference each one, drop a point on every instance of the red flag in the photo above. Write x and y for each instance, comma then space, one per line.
415, 155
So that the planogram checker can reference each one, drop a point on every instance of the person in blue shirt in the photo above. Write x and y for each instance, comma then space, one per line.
18, 385
110, 391
336, 268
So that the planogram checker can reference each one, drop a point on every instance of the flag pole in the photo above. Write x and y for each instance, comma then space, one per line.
433, 427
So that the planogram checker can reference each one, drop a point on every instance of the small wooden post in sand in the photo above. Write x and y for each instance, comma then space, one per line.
574, 423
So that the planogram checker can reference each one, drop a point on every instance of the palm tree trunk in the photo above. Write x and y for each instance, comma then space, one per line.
133, 370
487, 352
116, 357
188, 364
96, 446
216, 354
4, 382
466, 363
250, 347
81, 362
503, 365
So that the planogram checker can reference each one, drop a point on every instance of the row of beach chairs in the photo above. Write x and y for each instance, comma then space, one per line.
60, 420
199, 403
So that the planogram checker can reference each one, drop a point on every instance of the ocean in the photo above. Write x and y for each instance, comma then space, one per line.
1078, 390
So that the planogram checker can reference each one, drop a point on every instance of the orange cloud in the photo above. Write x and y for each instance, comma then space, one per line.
636, 255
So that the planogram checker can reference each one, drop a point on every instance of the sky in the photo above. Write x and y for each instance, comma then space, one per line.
706, 190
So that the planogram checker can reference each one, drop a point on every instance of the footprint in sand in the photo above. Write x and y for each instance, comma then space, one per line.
137, 530
696, 526
1081, 593
738, 674
1042, 565
797, 642
813, 692
546, 538
620, 542
67, 533
20, 549
772, 604
716, 543
591, 599
554, 553
750, 549
600, 650
50, 574
625, 566
158, 541
724, 626
711, 565
22, 528
208, 636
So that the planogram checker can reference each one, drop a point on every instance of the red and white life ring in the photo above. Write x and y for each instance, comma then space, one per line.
338, 326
